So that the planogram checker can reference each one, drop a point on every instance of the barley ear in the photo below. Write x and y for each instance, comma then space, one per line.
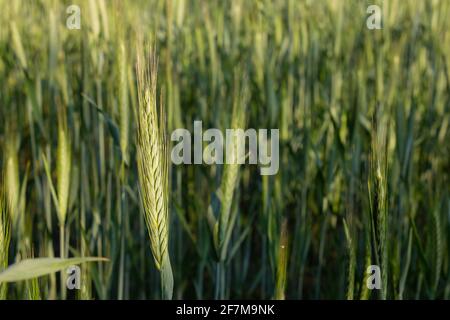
378, 195
153, 166
12, 184
123, 102
230, 176
17, 46
63, 163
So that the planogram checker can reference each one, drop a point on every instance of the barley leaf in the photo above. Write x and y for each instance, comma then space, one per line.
33, 268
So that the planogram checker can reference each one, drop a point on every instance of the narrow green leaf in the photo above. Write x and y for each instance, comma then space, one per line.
33, 268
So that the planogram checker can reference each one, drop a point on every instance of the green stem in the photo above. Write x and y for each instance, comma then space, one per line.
166, 279
62, 255
220, 281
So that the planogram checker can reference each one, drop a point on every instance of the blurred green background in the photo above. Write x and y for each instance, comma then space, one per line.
364, 145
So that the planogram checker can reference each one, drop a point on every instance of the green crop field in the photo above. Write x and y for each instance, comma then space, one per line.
93, 206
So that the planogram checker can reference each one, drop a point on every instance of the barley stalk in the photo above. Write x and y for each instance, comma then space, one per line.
438, 246
63, 172
123, 102
63, 169
364, 289
153, 167
282, 257
17, 46
12, 182
231, 170
378, 196
5, 236
222, 229
352, 262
